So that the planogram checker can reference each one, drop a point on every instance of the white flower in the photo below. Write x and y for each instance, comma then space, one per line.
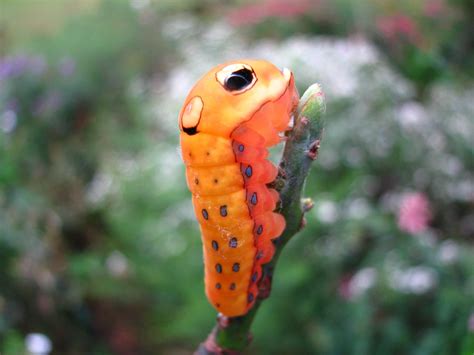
416, 280
363, 280
8, 121
117, 264
412, 115
448, 252
326, 211
99, 188
139, 4
358, 208
38, 344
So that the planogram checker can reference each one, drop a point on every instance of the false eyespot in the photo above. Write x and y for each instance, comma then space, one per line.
191, 115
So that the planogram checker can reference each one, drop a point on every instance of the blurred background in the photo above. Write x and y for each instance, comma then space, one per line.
100, 252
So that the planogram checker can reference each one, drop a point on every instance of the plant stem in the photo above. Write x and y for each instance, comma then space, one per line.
231, 335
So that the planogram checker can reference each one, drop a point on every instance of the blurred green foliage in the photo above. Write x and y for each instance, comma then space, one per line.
99, 248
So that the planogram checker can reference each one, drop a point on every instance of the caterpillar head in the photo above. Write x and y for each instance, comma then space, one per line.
233, 92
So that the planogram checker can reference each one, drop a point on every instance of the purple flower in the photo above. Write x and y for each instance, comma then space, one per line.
37, 65
12, 66
470, 323
67, 66
12, 105
47, 104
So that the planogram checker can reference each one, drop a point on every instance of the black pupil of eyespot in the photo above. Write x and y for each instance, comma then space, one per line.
239, 80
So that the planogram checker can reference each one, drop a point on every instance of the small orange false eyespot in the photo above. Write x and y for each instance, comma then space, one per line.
228, 121
191, 115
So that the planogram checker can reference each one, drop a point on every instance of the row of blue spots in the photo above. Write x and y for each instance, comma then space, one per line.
222, 211
235, 267
232, 243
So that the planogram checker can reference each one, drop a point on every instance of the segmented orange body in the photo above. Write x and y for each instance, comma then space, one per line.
229, 119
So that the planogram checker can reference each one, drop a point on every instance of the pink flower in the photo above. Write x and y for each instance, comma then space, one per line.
343, 288
434, 8
255, 13
414, 213
399, 26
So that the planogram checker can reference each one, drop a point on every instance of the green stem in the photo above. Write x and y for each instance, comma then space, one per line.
232, 335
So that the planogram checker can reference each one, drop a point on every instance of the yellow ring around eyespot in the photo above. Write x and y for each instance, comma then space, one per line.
192, 113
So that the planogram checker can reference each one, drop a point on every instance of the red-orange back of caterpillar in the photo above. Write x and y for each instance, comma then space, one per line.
229, 119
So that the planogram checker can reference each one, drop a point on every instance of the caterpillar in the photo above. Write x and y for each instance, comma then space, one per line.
229, 119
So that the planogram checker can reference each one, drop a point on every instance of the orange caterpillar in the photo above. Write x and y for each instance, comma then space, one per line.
228, 120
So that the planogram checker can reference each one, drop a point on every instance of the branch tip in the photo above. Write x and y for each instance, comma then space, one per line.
307, 204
